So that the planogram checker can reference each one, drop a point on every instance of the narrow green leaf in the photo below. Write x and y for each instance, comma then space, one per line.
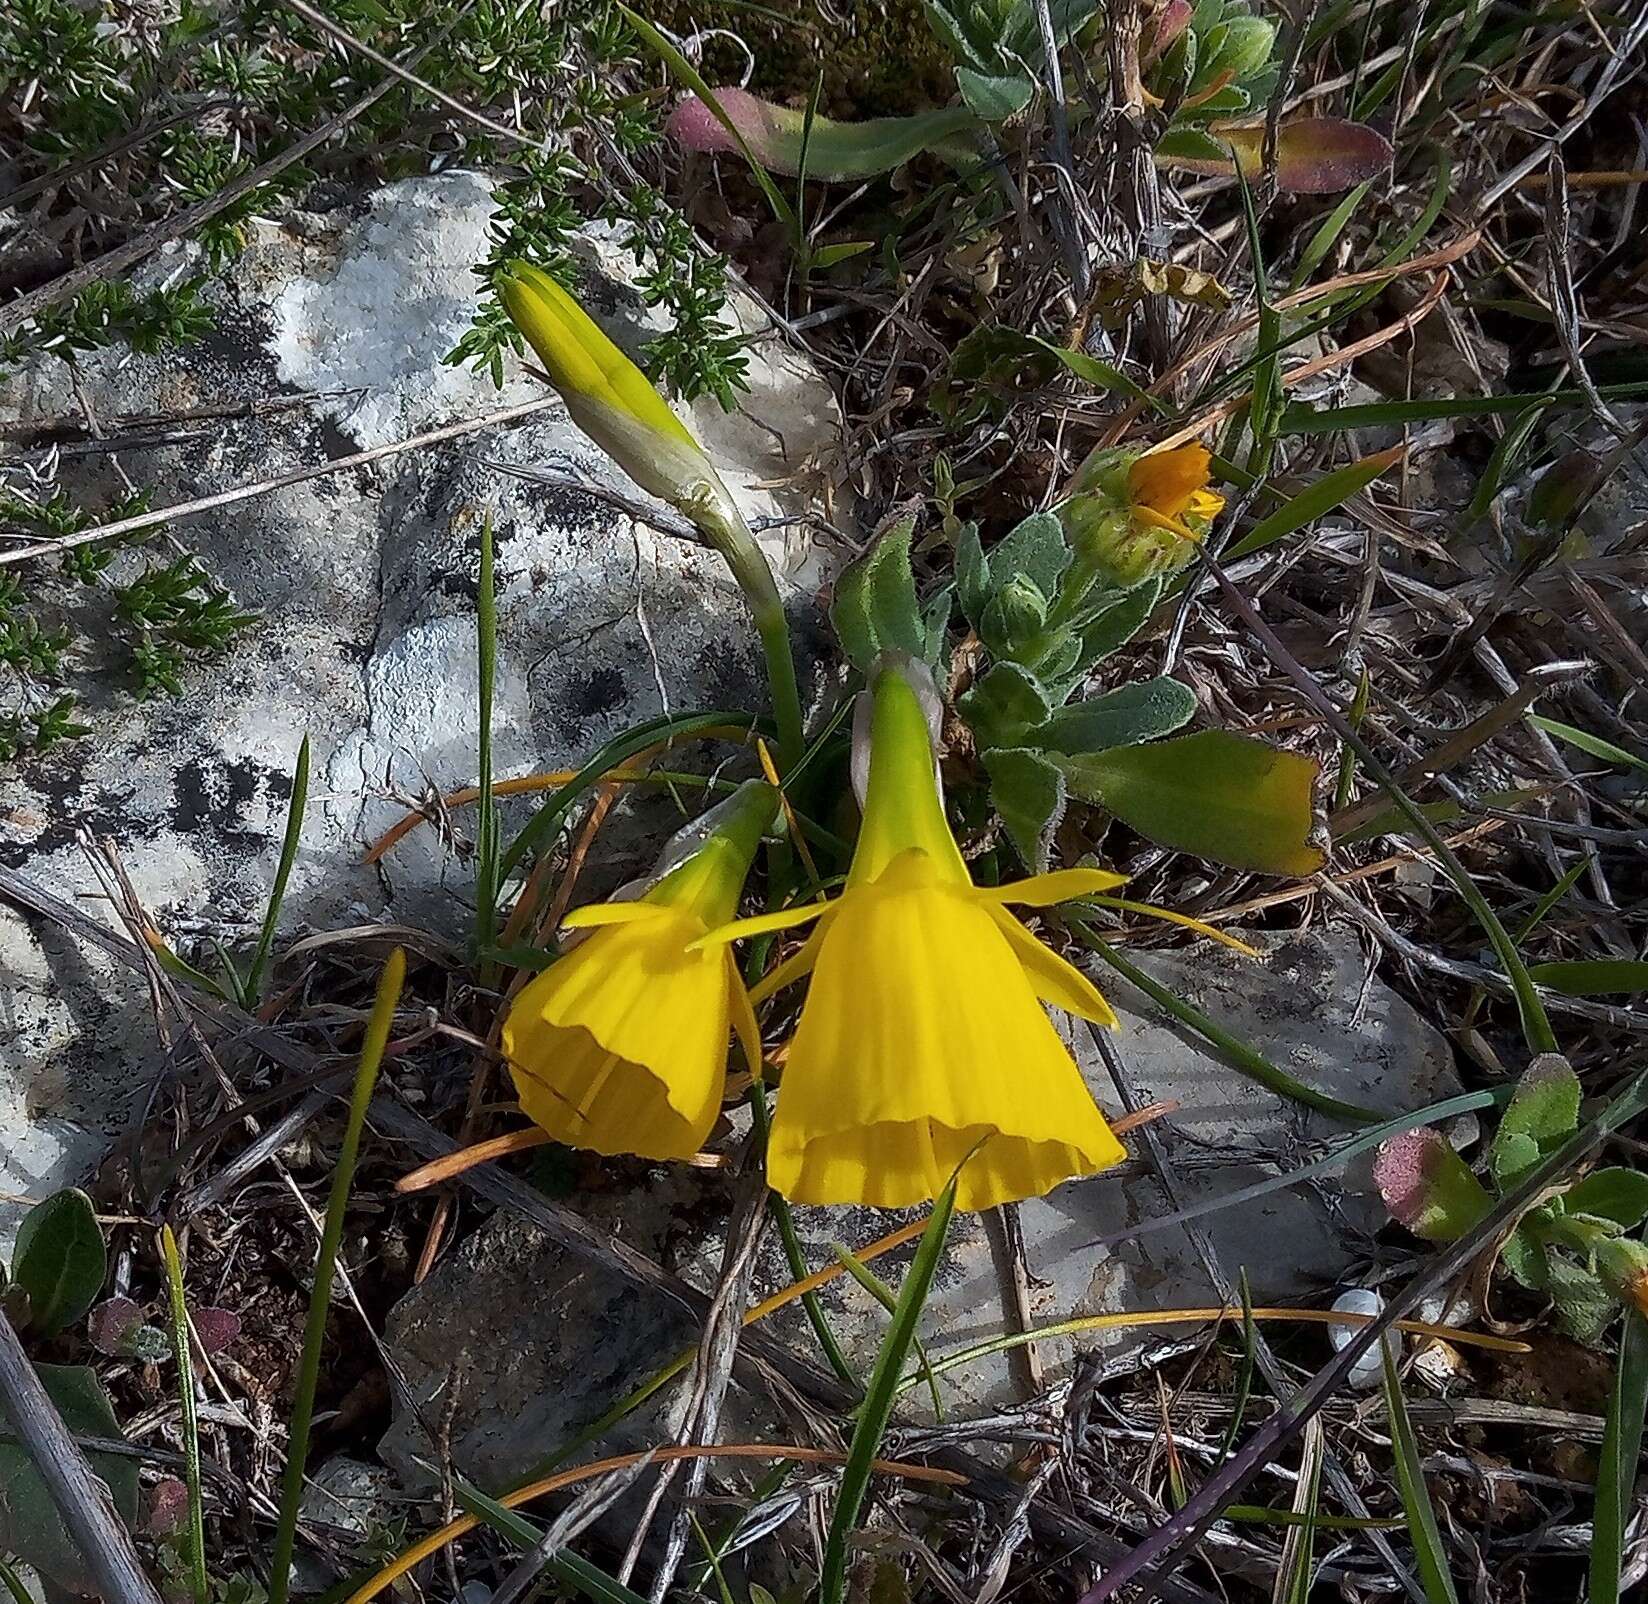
877, 1407
1428, 1551
588, 1579
486, 817
1593, 977
1219, 795
828, 256
184, 1361
1303, 418
1316, 500
1095, 372
252, 987
1620, 1461
689, 75
1244, 1059
59, 1260
1327, 235
1586, 742
320, 1293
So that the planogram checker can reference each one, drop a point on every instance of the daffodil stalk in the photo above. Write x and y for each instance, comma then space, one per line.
612, 402
620, 1046
923, 1045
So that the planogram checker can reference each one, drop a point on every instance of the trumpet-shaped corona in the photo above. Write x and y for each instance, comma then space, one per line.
923, 1045
620, 1046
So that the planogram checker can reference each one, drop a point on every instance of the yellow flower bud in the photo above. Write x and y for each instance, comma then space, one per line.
611, 400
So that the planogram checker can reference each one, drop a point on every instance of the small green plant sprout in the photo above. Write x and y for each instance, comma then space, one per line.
1046, 606
1572, 1246
57, 1270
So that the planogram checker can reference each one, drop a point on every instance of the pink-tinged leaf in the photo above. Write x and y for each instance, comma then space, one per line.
1171, 21
110, 1325
1428, 1187
778, 136
167, 1508
1314, 156
215, 1328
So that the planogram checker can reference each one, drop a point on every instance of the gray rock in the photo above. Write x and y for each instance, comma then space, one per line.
353, 1506
365, 584
561, 1342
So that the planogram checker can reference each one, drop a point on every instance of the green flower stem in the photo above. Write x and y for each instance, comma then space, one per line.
1235, 1052
732, 537
320, 1296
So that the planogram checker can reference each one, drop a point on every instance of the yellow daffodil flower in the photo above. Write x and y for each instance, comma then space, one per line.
621, 1045
1133, 516
923, 1036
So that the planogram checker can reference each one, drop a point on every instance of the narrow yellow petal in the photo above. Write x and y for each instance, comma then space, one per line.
744, 1024
1055, 980
799, 963
593, 914
1182, 919
1043, 890
760, 925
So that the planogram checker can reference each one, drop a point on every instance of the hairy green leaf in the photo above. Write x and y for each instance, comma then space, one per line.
1219, 795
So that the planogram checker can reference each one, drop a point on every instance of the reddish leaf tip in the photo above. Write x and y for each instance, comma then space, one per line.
694, 126
1402, 1173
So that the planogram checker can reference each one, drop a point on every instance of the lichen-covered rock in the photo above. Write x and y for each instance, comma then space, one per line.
332, 330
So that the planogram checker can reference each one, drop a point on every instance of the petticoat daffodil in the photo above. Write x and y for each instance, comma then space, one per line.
923, 1035
621, 1045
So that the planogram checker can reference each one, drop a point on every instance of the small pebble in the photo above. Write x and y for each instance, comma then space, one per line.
1367, 1370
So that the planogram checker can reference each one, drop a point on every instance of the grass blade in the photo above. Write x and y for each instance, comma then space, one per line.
689, 75
1429, 1555
320, 1295
253, 983
590, 1580
1621, 1453
191, 1426
1298, 1547
878, 1399
1314, 501
1300, 417
1586, 742
486, 814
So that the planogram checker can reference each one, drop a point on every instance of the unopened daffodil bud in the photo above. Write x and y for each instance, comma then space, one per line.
610, 399
620, 1046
